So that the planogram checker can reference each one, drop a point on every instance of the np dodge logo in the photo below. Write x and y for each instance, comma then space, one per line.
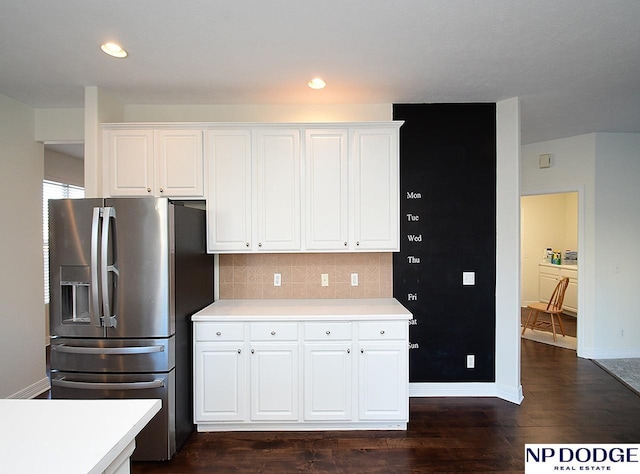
612, 458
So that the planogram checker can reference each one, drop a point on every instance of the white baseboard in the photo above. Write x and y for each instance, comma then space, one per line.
613, 354
33, 390
466, 389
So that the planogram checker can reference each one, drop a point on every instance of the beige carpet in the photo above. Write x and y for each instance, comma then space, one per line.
567, 342
625, 370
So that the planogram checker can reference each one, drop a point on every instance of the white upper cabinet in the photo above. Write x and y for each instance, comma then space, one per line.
129, 163
375, 188
326, 189
322, 187
278, 189
229, 195
147, 162
179, 162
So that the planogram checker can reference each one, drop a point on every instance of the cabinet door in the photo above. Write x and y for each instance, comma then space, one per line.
326, 189
547, 283
274, 381
328, 378
375, 189
229, 190
179, 163
129, 162
278, 189
383, 381
220, 381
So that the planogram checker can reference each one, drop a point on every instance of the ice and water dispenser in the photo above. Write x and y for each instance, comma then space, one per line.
75, 294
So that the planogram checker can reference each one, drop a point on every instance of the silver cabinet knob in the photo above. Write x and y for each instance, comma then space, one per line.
361, 351
247, 244
273, 333
357, 244
328, 332
218, 333
382, 332
239, 351
345, 244
348, 351
148, 190
161, 190
259, 244
252, 351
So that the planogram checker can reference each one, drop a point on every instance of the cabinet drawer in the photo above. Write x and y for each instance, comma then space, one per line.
327, 331
219, 331
569, 273
274, 331
382, 330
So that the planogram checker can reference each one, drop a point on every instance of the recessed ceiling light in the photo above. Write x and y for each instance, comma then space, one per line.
113, 49
317, 83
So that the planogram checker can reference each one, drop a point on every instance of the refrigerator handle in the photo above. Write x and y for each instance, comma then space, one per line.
95, 294
108, 319
158, 383
107, 350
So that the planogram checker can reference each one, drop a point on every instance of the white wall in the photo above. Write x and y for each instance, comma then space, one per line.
22, 352
259, 113
604, 170
508, 385
63, 168
59, 125
617, 240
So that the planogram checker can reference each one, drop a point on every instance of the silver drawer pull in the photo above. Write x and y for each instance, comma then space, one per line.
361, 351
253, 351
273, 333
239, 351
328, 332
348, 351
247, 244
382, 332
218, 333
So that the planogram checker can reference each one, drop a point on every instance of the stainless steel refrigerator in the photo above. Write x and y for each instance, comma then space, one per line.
126, 274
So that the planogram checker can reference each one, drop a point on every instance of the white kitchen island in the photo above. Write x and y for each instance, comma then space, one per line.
71, 436
306, 364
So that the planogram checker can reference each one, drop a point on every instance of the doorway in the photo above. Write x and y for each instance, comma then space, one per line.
550, 221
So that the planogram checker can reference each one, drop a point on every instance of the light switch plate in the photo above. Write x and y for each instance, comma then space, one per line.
324, 278
277, 279
468, 278
354, 279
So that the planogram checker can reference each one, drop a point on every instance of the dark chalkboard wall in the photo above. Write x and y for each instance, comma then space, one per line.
447, 227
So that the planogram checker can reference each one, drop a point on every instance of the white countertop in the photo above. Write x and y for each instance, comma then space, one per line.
307, 309
69, 436
554, 265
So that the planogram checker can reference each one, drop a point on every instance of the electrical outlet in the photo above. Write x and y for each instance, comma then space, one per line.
471, 361
324, 278
354, 279
277, 279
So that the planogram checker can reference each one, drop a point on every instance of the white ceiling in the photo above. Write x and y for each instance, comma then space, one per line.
575, 64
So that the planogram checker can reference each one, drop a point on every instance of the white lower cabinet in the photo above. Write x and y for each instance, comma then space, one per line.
383, 386
328, 371
220, 360
302, 375
549, 275
274, 381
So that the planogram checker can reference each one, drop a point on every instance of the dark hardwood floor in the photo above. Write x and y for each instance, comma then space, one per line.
567, 400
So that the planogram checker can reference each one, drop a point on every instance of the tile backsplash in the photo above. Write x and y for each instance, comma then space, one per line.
250, 276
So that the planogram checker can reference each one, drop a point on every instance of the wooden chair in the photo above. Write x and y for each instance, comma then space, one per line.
553, 308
